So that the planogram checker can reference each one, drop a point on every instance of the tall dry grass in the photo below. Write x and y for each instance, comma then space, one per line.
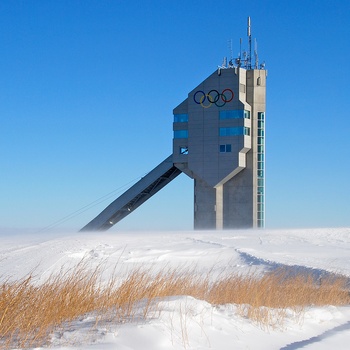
30, 312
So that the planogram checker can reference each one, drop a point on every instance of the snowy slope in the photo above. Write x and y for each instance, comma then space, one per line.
187, 323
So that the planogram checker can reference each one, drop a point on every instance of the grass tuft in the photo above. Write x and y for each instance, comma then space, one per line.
30, 312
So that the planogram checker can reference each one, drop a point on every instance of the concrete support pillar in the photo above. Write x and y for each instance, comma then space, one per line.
219, 207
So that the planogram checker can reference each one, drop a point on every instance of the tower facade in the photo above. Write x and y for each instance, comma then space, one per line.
219, 141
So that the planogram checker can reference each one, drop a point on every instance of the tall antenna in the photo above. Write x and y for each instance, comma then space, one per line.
240, 48
250, 45
256, 54
230, 63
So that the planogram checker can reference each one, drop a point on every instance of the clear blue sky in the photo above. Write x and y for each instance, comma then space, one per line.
84, 84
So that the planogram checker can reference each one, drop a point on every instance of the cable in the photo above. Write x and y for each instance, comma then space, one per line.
88, 206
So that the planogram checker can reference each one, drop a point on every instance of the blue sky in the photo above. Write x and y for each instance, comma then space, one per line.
84, 84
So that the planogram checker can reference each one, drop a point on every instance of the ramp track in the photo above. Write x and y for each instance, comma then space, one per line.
136, 195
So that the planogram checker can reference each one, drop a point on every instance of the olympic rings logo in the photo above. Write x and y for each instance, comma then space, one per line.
213, 97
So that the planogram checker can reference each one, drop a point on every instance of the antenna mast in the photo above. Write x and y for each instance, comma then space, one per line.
250, 46
230, 63
256, 54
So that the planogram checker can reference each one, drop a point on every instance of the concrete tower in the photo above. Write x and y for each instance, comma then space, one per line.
219, 141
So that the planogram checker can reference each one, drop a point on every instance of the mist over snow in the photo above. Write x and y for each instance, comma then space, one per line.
185, 322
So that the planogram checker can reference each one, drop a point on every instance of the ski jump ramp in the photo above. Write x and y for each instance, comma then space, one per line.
136, 195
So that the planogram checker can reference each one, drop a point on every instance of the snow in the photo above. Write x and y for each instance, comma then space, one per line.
185, 322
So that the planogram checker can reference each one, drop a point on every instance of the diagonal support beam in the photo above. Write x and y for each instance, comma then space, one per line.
135, 196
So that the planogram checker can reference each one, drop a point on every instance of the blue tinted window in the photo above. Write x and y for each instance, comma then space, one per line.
261, 115
231, 131
180, 134
261, 215
234, 114
231, 114
184, 150
180, 118
225, 148
234, 131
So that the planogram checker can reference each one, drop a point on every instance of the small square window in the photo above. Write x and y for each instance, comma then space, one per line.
183, 150
225, 148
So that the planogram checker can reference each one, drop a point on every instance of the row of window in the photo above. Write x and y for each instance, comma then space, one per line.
227, 148
235, 114
260, 170
234, 131
232, 114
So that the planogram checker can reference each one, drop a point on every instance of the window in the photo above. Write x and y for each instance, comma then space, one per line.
184, 150
180, 118
180, 134
260, 207
225, 148
260, 190
261, 173
234, 114
234, 131
260, 124
261, 149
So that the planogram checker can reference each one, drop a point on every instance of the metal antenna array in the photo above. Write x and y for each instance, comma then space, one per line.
244, 58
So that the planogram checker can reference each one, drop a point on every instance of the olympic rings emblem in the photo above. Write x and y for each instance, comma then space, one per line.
213, 97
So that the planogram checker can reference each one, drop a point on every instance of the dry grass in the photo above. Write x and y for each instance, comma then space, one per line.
29, 312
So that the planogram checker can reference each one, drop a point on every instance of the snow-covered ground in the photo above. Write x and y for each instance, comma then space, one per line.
187, 323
